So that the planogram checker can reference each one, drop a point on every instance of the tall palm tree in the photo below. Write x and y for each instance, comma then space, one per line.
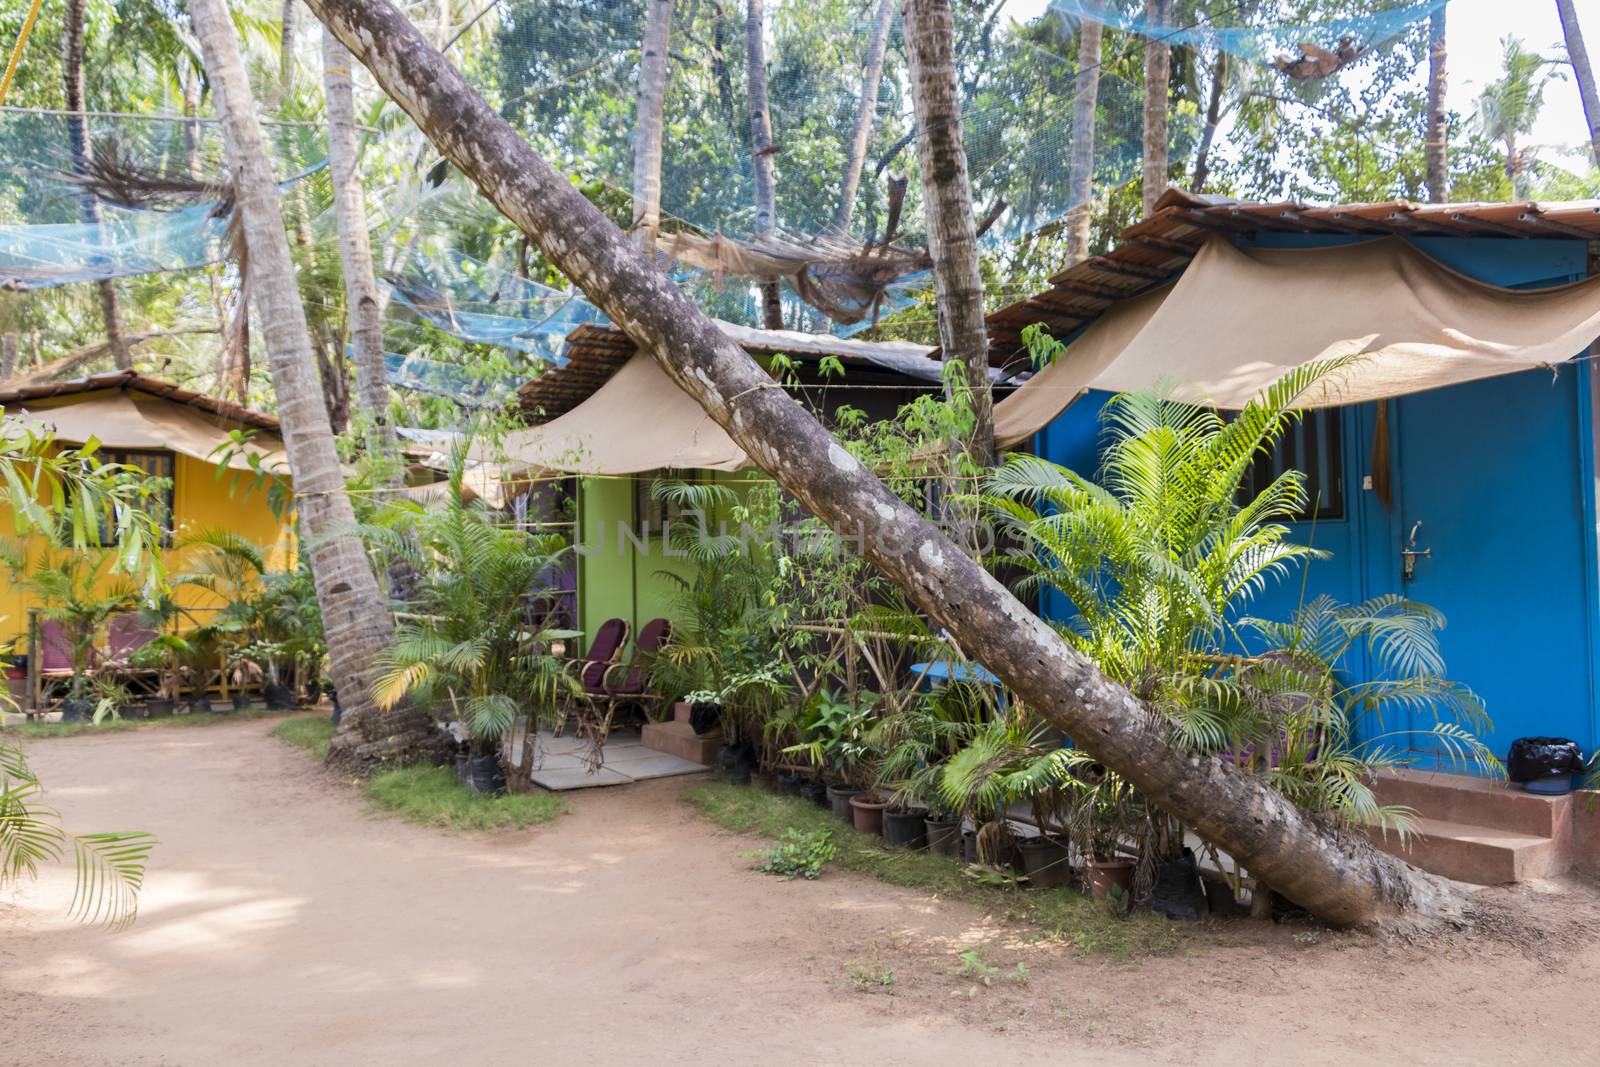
762, 150
1438, 131
1509, 106
1578, 56
1157, 78
355, 617
653, 68
363, 302
866, 116
78, 142
947, 204
1086, 99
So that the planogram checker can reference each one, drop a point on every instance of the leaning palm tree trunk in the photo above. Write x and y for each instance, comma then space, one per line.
866, 117
1344, 880
1080, 180
1578, 56
947, 203
354, 616
1157, 76
363, 303
78, 141
1438, 131
647, 124
761, 151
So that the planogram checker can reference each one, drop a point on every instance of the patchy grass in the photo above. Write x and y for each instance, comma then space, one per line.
112, 726
1062, 914
429, 795
312, 734
433, 797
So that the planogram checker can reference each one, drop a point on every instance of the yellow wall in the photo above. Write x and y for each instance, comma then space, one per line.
200, 499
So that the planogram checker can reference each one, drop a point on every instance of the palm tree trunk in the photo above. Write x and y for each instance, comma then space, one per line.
947, 204
647, 124
866, 118
354, 617
9, 344
1438, 159
288, 22
1157, 76
1578, 56
78, 141
761, 151
363, 302
1085, 105
1339, 877
1202, 156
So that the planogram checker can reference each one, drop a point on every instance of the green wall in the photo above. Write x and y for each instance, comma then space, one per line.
616, 580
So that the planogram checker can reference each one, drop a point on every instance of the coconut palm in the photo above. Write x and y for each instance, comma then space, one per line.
1509, 106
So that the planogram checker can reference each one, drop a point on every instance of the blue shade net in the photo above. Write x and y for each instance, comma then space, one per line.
46, 238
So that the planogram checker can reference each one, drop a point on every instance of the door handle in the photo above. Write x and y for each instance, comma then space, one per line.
1410, 554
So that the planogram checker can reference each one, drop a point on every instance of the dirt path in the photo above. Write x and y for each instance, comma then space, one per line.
284, 923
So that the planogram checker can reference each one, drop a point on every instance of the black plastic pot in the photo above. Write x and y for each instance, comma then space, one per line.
1177, 892
790, 784
735, 762
157, 708
462, 762
969, 846
705, 718
279, 697
817, 793
485, 775
839, 800
201, 704
944, 835
1046, 861
77, 711
905, 829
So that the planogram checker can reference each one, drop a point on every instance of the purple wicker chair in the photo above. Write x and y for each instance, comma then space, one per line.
604, 652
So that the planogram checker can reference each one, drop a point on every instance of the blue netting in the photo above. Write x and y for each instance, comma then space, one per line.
460, 383
1260, 35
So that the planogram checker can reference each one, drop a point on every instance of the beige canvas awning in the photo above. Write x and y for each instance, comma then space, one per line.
1237, 320
639, 420
127, 419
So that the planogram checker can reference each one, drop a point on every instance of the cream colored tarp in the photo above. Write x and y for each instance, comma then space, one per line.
1237, 320
135, 420
638, 421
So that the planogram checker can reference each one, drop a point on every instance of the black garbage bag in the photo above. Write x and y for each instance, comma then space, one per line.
1177, 892
704, 717
1533, 758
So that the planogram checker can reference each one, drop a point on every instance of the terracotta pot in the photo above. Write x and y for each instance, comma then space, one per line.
866, 813
1105, 873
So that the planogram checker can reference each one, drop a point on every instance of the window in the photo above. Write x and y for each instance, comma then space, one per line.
651, 513
156, 465
1314, 445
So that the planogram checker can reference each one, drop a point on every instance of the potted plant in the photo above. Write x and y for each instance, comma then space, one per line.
467, 652
1106, 813
835, 742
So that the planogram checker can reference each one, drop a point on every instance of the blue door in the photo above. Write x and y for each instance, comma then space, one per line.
1490, 494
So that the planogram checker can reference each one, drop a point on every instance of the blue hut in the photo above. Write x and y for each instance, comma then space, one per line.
1456, 467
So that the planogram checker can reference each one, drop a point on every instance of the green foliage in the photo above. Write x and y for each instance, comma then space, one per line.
468, 650
432, 796
800, 854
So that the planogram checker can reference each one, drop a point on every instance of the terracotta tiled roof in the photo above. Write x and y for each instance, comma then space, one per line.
141, 383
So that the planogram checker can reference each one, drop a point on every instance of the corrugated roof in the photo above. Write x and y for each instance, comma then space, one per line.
141, 383
595, 352
1156, 250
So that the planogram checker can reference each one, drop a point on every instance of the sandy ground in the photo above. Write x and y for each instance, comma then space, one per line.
285, 923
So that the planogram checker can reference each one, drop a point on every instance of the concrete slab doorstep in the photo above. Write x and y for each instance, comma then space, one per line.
561, 765
562, 780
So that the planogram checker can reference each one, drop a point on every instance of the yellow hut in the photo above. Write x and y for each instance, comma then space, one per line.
171, 433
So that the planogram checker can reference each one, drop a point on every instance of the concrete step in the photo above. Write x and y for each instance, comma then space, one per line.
679, 739
1460, 798
1482, 855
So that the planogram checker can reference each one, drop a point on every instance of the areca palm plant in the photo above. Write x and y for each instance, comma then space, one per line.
1161, 558
470, 651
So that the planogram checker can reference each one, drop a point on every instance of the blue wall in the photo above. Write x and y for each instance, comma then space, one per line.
1501, 474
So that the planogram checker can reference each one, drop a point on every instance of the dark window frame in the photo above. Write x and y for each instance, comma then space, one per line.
138, 458
1322, 463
